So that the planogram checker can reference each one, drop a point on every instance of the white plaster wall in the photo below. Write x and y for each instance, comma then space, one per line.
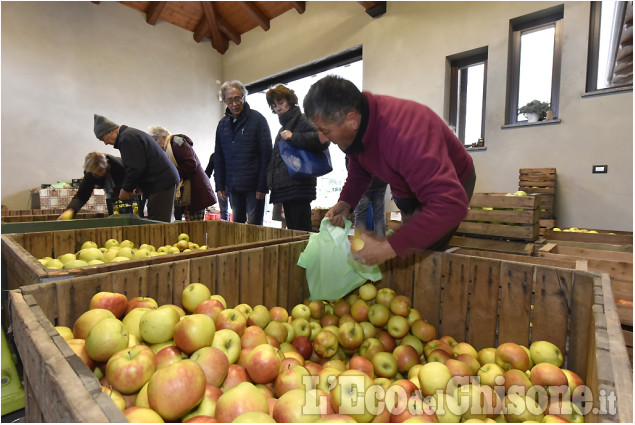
64, 61
404, 55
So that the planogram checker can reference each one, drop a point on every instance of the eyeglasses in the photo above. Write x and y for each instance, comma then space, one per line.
237, 99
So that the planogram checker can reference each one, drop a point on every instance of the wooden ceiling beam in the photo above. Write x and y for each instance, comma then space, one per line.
154, 10
219, 42
374, 8
202, 30
255, 13
300, 6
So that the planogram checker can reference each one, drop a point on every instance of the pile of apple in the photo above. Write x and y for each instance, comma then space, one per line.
576, 230
370, 357
114, 251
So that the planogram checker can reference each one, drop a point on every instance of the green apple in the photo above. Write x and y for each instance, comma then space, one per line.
194, 294
435, 377
89, 244
157, 326
491, 374
65, 258
384, 365
183, 237
106, 338
229, 343
367, 291
520, 408
89, 254
545, 352
141, 253
110, 243
446, 408
147, 247
54, 263
132, 319
301, 311
125, 251
127, 244
74, 264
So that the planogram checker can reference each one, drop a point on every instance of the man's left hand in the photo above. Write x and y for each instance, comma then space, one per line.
375, 251
260, 195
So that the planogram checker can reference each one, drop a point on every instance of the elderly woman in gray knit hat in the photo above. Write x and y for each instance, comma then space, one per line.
146, 167
180, 151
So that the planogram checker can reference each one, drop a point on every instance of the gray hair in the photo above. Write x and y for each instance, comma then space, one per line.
157, 132
227, 85
331, 98
95, 161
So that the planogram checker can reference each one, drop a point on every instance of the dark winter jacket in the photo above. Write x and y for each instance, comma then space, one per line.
189, 167
242, 152
305, 136
146, 165
111, 182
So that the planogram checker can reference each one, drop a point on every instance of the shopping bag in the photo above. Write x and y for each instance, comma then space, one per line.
331, 271
303, 163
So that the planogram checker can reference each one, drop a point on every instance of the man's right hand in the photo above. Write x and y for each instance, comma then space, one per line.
338, 213
222, 195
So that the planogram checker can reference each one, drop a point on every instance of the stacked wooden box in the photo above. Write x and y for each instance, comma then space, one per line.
542, 181
479, 300
496, 215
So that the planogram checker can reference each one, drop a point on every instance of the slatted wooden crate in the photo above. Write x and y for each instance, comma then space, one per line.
500, 216
21, 251
49, 217
542, 181
546, 224
480, 300
603, 236
38, 211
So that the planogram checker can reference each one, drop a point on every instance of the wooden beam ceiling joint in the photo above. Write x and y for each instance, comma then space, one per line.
251, 8
219, 42
154, 11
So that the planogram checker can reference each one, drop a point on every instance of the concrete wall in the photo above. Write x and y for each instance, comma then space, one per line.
64, 61
404, 55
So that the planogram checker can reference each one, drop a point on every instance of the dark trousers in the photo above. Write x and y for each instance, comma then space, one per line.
245, 205
297, 213
224, 207
160, 205
410, 205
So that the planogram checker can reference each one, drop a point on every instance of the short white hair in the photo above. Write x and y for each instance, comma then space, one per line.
157, 132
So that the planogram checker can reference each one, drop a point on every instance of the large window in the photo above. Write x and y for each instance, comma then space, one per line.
535, 54
468, 72
610, 63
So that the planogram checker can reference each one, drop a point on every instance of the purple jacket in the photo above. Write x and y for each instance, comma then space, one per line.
190, 167
412, 149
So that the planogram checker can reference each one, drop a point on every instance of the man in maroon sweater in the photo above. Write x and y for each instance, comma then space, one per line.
407, 145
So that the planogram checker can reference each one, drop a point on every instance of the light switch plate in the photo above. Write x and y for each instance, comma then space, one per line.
600, 169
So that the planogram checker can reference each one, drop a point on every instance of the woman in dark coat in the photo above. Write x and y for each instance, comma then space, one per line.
178, 148
295, 194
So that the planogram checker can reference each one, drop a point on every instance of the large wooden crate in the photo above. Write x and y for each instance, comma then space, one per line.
480, 300
496, 215
618, 265
21, 251
17, 218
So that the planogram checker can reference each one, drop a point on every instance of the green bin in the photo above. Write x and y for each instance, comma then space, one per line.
88, 223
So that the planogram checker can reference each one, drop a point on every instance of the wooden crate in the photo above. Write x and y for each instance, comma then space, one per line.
499, 216
537, 180
494, 245
545, 224
618, 265
21, 251
603, 236
48, 217
480, 300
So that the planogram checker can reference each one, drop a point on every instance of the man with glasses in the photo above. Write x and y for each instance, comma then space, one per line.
242, 154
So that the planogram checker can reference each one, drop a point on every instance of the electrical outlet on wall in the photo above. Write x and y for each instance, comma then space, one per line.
600, 169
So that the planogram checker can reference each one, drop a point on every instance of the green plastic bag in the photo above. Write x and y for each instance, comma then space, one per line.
331, 272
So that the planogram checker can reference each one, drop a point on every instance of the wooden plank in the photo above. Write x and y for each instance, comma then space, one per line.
228, 275
63, 242
514, 257
594, 253
527, 233
403, 276
428, 277
297, 275
201, 271
486, 244
500, 200
581, 334
455, 297
550, 316
591, 245
485, 275
181, 278
73, 298
515, 303
157, 282
270, 276
251, 281
622, 289
602, 236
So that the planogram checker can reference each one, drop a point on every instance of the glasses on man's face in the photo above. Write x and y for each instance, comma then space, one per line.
237, 99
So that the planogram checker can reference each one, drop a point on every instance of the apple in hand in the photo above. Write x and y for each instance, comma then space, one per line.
244, 397
176, 389
194, 331
114, 302
105, 339
128, 370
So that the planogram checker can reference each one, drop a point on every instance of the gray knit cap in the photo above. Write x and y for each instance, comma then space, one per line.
103, 126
